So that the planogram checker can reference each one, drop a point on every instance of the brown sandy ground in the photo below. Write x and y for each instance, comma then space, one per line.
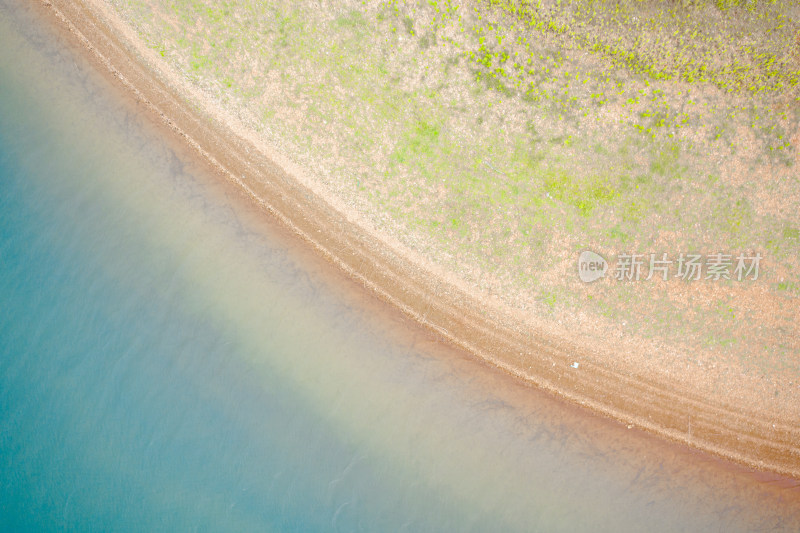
745, 408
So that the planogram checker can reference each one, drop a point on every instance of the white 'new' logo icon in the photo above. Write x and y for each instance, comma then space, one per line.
591, 266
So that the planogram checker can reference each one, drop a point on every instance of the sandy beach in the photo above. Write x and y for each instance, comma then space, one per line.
737, 422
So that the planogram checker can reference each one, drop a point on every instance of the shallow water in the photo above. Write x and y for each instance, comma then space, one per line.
169, 360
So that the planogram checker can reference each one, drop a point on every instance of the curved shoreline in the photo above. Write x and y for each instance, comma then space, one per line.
735, 432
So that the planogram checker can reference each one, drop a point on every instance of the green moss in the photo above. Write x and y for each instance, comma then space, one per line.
735, 216
549, 298
420, 140
353, 20
582, 194
791, 233
665, 161
617, 235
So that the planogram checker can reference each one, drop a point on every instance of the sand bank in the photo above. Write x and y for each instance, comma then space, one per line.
670, 408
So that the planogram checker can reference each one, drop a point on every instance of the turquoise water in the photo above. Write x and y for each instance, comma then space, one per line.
171, 361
